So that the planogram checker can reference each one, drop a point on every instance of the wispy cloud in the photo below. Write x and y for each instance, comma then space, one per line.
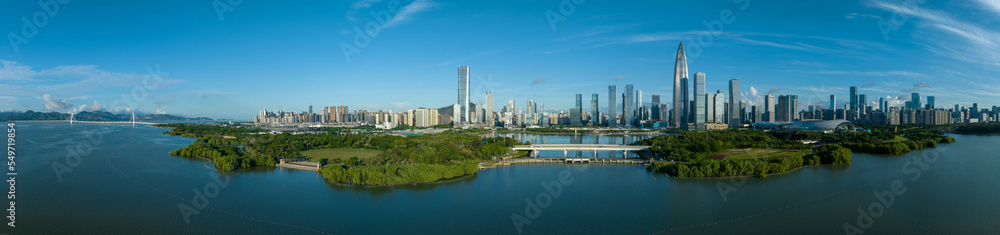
363, 4
207, 94
916, 87
539, 80
68, 79
876, 73
408, 11
983, 46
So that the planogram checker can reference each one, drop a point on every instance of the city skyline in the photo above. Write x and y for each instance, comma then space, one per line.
68, 66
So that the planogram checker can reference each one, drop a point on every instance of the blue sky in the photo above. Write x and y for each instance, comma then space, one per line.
184, 57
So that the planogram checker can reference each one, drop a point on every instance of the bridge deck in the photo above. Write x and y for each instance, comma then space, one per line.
581, 147
571, 160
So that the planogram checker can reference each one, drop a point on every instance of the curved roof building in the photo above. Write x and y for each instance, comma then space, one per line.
808, 125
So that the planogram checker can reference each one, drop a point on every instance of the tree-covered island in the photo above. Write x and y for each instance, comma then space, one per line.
749, 152
400, 160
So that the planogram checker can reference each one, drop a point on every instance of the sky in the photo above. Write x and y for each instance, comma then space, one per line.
232, 58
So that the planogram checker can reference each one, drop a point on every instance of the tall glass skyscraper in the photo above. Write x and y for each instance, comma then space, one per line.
680, 90
655, 107
595, 117
915, 101
579, 105
854, 98
699, 101
734, 104
930, 102
629, 105
612, 106
463, 93
720, 107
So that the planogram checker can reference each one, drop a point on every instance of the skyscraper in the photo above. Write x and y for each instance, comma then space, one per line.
862, 102
699, 101
656, 107
680, 72
638, 103
930, 102
769, 108
854, 98
915, 101
456, 112
530, 119
595, 116
686, 99
579, 107
720, 107
489, 108
612, 106
833, 102
881, 104
709, 108
629, 105
734, 101
463, 93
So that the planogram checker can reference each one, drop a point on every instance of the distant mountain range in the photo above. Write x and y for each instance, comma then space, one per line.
93, 116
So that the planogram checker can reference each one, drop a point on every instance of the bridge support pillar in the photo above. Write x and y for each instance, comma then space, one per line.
624, 153
565, 153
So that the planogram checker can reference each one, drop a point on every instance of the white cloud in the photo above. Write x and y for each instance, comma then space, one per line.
88, 108
991, 4
70, 79
11, 70
982, 47
408, 11
206, 94
876, 73
363, 4
52, 103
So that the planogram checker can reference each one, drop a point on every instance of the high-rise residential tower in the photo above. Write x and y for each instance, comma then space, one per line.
769, 108
699, 101
489, 108
680, 72
612, 106
463, 93
734, 101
